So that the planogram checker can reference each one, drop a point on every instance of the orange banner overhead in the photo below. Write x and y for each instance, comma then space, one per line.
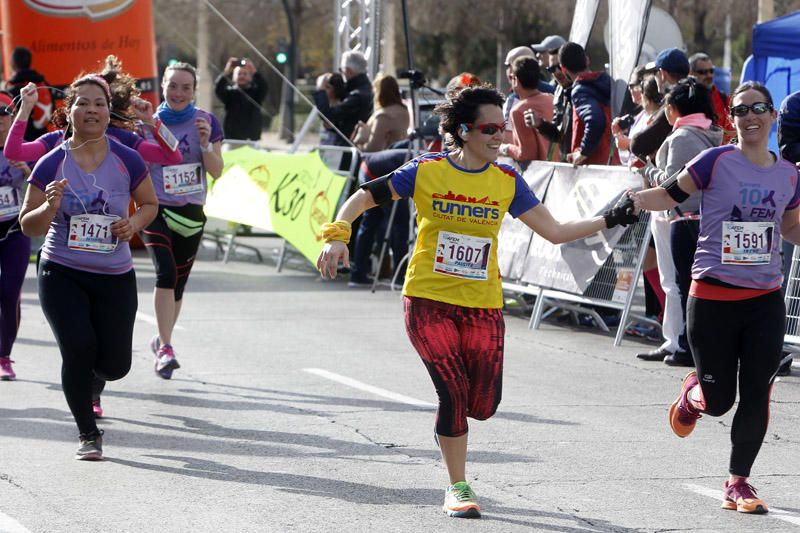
67, 37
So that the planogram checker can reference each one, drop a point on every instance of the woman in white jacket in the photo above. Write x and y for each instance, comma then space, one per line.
690, 112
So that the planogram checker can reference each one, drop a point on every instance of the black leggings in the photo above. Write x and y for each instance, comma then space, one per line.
92, 318
173, 254
744, 336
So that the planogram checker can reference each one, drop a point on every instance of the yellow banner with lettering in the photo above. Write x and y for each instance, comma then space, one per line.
289, 194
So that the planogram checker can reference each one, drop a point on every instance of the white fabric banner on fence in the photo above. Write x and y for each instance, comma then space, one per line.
571, 193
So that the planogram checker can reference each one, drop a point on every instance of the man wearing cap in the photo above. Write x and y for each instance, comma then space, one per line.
702, 69
547, 55
670, 66
591, 109
512, 97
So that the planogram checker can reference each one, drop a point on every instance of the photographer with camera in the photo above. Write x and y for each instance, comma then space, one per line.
645, 93
242, 90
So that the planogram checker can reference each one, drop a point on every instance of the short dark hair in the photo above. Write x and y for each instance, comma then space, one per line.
526, 70
689, 96
754, 86
21, 58
462, 105
572, 57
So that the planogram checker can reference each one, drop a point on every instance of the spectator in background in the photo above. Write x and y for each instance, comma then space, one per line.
357, 103
23, 74
242, 90
389, 124
559, 130
512, 98
702, 69
547, 55
335, 90
645, 94
690, 113
591, 108
670, 66
527, 144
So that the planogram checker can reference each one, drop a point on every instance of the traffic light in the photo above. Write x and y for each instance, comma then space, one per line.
281, 56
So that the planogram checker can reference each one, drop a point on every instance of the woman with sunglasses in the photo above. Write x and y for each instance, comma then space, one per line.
15, 246
79, 198
452, 293
126, 109
750, 199
172, 240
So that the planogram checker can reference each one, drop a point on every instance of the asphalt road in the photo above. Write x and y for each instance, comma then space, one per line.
301, 406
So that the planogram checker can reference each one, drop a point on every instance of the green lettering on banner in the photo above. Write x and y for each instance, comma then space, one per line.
289, 194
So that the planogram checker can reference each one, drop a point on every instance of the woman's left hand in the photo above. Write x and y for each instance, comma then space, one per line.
23, 166
204, 130
123, 229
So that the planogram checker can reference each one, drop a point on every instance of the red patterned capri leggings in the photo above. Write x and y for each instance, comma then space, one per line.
462, 348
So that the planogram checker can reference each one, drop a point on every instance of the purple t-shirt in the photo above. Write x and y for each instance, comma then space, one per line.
736, 190
105, 191
190, 168
126, 137
12, 189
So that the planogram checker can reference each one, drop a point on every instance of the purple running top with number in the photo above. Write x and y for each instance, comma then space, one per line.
14, 179
736, 190
192, 152
105, 191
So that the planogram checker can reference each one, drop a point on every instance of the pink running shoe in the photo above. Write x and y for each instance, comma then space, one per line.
97, 408
741, 496
682, 416
6, 372
166, 362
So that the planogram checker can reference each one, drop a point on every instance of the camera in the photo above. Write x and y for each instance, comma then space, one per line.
626, 121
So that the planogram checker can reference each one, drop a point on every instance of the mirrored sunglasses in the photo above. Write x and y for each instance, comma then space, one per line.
758, 108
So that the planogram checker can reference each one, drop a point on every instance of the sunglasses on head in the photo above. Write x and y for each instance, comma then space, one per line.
486, 129
705, 71
6, 110
758, 108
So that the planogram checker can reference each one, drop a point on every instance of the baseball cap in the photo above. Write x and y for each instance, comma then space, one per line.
670, 59
519, 51
551, 42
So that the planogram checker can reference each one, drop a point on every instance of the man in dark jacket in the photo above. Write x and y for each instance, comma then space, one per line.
23, 74
241, 89
357, 105
670, 66
591, 108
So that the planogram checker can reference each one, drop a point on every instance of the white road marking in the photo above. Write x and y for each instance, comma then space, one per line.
9, 525
144, 317
350, 382
774, 512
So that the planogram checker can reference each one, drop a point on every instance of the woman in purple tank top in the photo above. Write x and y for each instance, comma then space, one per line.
79, 196
15, 247
174, 236
750, 199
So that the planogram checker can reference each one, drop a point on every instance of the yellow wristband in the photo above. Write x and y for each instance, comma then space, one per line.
338, 230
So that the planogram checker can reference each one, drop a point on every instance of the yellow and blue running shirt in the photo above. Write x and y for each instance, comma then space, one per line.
459, 213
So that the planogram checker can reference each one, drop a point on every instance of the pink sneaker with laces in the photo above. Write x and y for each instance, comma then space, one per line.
682, 415
741, 496
97, 409
166, 362
6, 371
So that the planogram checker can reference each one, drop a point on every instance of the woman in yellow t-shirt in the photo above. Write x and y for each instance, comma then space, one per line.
452, 293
